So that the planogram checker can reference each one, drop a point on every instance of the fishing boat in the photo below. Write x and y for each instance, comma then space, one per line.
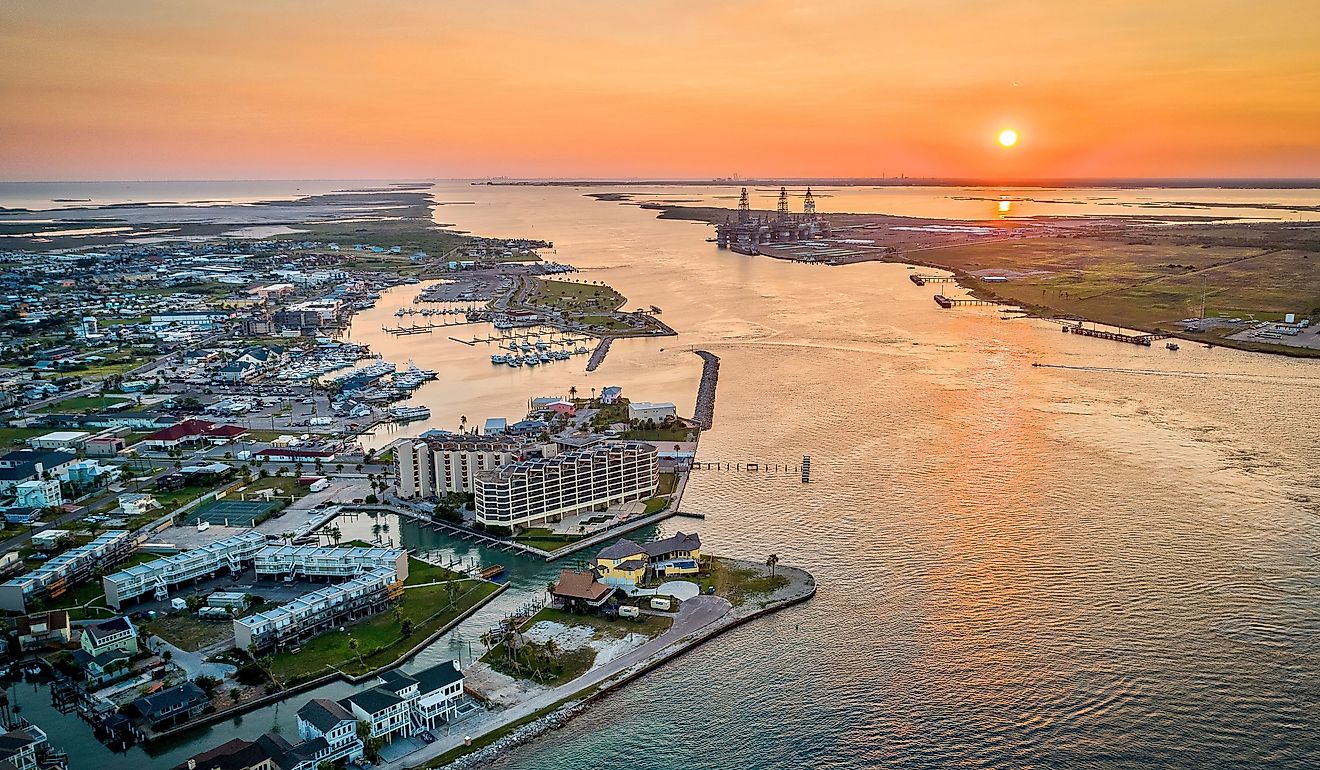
514, 361
499, 358
1171, 345
531, 361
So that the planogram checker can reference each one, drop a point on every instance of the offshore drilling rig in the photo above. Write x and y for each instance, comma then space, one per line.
744, 234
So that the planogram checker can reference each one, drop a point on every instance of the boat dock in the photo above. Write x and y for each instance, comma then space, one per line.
1131, 339
948, 302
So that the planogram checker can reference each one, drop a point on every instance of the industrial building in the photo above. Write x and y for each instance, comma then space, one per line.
746, 232
52, 579
160, 576
436, 466
367, 594
541, 490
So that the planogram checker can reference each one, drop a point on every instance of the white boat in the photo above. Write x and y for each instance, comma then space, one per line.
409, 413
202, 526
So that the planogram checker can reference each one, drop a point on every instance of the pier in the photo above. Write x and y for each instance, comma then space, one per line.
948, 302
1131, 339
598, 355
704, 413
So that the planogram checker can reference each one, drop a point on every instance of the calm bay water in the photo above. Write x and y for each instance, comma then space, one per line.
1114, 565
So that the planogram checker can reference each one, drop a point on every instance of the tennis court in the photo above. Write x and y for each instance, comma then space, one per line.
232, 513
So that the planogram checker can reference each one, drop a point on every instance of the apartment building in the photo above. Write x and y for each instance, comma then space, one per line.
159, 577
310, 614
541, 490
435, 466
321, 719
307, 561
52, 579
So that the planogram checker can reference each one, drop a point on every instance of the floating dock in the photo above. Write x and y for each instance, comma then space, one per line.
1132, 339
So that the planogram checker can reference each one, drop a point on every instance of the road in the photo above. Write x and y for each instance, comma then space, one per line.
695, 614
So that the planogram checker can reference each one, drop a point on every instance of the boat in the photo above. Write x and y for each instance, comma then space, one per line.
514, 361
499, 359
532, 361
491, 572
1171, 345
409, 413
202, 526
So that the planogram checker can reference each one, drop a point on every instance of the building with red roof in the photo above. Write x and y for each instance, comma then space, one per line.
192, 432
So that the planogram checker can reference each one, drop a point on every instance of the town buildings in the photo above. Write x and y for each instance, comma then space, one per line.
43, 629
647, 410
55, 577
312, 613
541, 490
160, 576
113, 634
407, 703
429, 467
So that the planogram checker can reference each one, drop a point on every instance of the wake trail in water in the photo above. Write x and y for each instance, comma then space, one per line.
1300, 382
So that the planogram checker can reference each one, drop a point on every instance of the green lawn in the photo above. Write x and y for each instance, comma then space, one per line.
379, 639
175, 498
540, 537
734, 583
424, 572
656, 504
668, 483
284, 486
569, 664
11, 436
574, 297
83, 403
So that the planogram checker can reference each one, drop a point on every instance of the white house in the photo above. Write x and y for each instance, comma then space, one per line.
321, 719
432, 694
647, 410
386, 712
113, 634
136, 504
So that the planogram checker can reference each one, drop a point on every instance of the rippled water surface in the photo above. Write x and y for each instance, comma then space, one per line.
1113, 565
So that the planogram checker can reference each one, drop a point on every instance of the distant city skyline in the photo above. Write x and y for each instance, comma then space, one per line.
154, 90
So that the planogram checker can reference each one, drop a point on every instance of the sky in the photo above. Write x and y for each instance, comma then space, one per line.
326, 89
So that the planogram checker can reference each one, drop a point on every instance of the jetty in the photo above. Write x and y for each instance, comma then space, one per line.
598, 355
704, 413
948, 302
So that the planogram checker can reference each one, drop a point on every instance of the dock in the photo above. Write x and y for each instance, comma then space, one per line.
948, 302
1132, 339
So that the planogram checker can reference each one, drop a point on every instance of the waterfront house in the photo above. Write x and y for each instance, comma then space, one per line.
105, 667
168, 708
385, 712
238, 754
43, 629
325, 720
580, 589
113, 634
19, 748
433, 694
625, 564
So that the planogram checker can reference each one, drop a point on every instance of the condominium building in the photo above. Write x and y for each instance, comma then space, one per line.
52, 579
160, 576
436, 466
306, 561
542, 490
366, 594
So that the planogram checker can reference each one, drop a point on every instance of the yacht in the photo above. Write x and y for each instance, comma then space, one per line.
409, 413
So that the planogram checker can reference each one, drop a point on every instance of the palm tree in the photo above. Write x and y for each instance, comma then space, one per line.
770, 562
353, 645
572, 393
462, 423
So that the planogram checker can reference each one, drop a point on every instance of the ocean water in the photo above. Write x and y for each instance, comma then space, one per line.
1111, 565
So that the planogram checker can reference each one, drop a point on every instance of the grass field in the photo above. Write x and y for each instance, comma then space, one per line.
540, 537
380, 641
575, 298
186, 631
572, 663
424, 572
735, 583
83, 403
285, 487
12, 436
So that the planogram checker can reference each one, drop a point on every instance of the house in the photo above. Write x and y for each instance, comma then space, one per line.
238, 754
137, 503
433, 694
610, 395
50, 539
625, 564
168, 708
113, 634
43, 493
18, 748
561, 407
104, 446
646, 410
132, 420
192, 432
385, 711
43, 629
581, 589
64, 439
261, 356
495, 426
23, 465
237, 371
326, 720
103, 668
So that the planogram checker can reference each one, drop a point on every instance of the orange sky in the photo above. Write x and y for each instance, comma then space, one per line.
163, 89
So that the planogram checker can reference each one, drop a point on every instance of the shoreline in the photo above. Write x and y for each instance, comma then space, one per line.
518, 731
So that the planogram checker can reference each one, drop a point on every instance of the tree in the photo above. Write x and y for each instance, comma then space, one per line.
354, 645
770, 562
572, 393
406, 627
235, 694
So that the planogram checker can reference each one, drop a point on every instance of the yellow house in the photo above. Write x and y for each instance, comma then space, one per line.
625, 564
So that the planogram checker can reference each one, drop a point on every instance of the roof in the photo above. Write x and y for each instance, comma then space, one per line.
397, 681
438, 676
237, 754
48, 458
324, 714
620, 550
52, 619
677, 542
372, 701
14, 740
112, 626
581, 585
195, 428
186, 694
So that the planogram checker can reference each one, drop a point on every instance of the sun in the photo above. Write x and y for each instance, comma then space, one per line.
1008, 137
